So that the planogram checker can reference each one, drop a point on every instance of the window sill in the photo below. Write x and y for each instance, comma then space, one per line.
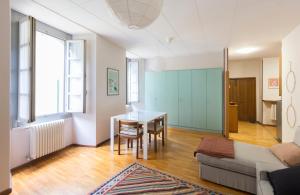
45, 119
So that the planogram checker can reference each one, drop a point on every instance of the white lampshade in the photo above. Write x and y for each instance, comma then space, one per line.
136, 14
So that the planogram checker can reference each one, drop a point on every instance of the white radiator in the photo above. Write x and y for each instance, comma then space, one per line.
46, 138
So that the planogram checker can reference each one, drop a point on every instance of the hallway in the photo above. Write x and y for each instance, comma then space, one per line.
255, 133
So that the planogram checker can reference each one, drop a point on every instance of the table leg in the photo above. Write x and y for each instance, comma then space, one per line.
166, 127
145, 141
112, 133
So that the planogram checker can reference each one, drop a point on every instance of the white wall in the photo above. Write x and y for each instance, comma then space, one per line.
85, 124
208, 60
270, 70
109, 55
249, 68
4, 95
290, 54
20, 143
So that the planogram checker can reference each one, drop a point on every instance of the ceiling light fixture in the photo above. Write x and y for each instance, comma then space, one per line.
135, 14
247, 50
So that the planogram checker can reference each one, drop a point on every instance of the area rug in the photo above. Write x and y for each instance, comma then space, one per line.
138, 179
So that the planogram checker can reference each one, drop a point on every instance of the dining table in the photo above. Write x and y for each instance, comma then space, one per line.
142, 117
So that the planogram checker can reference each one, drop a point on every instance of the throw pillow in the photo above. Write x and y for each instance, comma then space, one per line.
285, 181
288, 153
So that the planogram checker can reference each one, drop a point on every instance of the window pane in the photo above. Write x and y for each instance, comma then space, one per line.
75, 86
24, 32
49, 74
24, 57
24, 107
74, 51
24, 82
75, 68
75, 102
133, 81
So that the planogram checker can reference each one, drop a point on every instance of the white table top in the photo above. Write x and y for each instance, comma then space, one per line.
140, 116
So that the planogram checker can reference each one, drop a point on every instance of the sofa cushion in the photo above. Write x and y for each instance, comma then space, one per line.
285, 181
246, 156
288, 153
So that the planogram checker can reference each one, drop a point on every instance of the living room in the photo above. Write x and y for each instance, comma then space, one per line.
115, 97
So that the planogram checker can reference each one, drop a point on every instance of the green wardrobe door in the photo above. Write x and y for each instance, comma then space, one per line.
149, 91
214, 99
199, 99
185, 98
160, 91
171, 97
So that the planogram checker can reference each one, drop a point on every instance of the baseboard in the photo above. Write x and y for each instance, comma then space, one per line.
39, 159
197, 130
6, 192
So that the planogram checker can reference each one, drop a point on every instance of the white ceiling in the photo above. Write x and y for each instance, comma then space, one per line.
198, 26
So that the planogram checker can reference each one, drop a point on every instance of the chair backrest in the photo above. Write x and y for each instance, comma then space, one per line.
297, 136
128, 124
157, 122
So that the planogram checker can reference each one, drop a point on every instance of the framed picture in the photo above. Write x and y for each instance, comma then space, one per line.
273, 83
112, 82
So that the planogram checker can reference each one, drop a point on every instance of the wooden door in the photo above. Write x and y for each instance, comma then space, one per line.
243, 92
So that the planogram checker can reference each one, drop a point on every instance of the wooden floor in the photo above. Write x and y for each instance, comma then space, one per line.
79, 170
255, 133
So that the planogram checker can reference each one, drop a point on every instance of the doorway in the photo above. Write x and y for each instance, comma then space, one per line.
242, 92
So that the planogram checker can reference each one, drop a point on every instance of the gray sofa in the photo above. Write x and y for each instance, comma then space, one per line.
244, 172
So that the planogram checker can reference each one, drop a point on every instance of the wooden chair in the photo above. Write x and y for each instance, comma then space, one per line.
130, 130
156, 127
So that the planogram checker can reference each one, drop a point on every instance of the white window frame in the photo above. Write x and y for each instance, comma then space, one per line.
127, 81
29, 35
82, 76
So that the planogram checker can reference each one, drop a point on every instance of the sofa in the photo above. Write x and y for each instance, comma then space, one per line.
247, 171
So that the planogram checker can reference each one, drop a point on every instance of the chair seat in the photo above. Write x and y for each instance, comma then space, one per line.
159, 127
130, 131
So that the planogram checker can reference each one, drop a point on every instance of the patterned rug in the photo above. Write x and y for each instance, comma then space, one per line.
138, 179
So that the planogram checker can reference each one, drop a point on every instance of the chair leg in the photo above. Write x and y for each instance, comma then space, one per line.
137, 148
163, 137
155, 142
119, 145
131, 143
149, 138
141, 140
128, 140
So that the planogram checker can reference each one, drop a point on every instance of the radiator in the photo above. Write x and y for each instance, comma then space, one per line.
46, 138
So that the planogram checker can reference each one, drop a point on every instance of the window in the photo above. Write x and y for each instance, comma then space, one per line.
25, 66
49, 71
132, 81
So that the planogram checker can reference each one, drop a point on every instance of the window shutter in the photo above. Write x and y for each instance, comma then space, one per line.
75, 77
26, 70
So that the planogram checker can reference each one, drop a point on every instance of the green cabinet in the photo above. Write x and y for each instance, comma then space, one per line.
150, 91
155, 91
171, 97
192, 98
185, 98
214, 100
199, 99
